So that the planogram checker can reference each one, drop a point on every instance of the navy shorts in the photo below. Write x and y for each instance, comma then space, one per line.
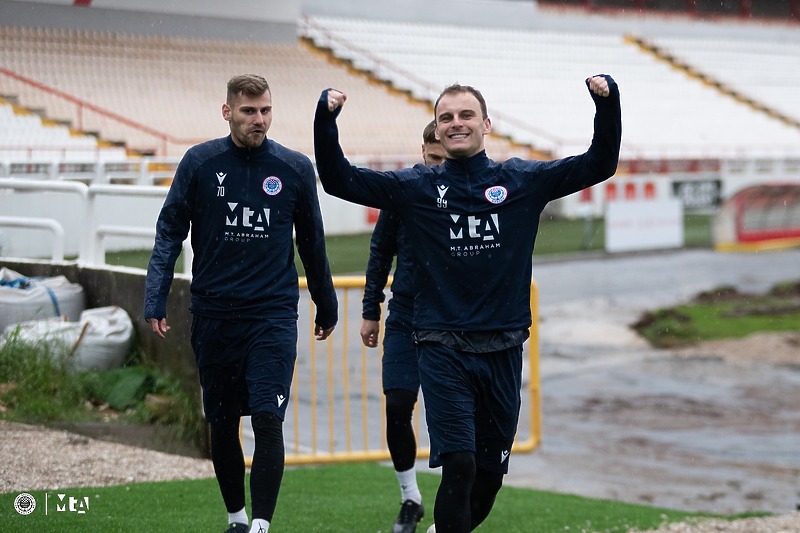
400, 368
245, 366
472, 402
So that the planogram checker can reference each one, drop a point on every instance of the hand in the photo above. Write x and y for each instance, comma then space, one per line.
336, 99
321, 334
598, 85
369, 332
159, 326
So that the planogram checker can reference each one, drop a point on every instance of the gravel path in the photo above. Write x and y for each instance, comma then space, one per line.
36, 458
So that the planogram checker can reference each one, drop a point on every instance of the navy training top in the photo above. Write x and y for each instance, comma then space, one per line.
242, 206
472, 221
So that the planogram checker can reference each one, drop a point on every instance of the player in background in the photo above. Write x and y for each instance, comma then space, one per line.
400, 371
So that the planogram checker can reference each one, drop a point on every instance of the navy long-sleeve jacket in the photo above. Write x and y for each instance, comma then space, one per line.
389, 239
242, 206
472, 222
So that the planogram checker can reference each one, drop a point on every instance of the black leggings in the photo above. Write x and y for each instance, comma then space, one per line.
466, 494
399, 430
228, 460
266, 472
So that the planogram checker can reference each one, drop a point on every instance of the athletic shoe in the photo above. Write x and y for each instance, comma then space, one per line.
410, 515
432, 529
238, 528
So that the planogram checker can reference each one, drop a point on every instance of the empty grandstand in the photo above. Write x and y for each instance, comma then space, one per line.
532, 81
704, 90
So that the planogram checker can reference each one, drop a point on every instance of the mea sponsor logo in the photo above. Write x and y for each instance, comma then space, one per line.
70, 504
246, 217
470, 235
246, 223
475, 228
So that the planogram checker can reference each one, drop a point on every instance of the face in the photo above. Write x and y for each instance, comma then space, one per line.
460, 126
250, 118
433, 154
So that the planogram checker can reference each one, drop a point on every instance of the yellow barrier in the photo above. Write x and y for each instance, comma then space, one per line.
337, 403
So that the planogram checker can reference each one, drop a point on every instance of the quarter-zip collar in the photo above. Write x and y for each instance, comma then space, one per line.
469, 165
248, 153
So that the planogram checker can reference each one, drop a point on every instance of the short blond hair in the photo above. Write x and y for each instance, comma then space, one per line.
246, 84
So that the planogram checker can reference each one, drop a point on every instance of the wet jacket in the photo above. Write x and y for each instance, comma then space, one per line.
388, 240
242, 206
472, 222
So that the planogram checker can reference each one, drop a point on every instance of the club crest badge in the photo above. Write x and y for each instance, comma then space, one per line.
496, 194
272, 185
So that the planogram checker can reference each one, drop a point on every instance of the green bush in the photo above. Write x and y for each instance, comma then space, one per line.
37, 382
39, 385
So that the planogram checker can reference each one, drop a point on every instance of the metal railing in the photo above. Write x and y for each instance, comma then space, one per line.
337, 403
56, 229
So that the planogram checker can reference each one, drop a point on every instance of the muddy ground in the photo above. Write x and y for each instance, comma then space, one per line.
713, 427
710, 428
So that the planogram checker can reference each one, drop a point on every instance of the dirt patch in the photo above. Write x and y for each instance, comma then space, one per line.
772, 348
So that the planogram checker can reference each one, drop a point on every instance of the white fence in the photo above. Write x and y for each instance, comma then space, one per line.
109, 205
90, 208
53, 218
80, 218
133, 171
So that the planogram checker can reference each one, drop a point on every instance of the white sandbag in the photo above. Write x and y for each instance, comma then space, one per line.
100, 340
107, 340
23, 299
58, 335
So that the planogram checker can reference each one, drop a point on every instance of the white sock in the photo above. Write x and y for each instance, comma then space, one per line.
239, 517
408, 485
259, 526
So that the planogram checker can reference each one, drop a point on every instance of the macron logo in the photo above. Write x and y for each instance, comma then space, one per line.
503, 456
281, 399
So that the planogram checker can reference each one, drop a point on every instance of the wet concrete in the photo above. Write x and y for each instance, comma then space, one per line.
627, 422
